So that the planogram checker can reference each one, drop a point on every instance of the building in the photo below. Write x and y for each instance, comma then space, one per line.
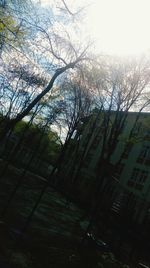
126, 183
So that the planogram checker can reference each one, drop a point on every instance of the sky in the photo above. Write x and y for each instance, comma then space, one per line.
119, 27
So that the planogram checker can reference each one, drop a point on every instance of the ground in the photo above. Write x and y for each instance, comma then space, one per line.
53, 238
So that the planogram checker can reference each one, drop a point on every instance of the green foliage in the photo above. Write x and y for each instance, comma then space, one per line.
11, 31
47, 142
21, 260
109, 261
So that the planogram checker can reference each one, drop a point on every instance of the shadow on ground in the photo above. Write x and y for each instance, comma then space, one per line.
54, 235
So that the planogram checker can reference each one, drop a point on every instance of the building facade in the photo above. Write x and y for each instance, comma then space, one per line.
126, 182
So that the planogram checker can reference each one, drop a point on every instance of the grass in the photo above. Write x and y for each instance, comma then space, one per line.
54, 235
53, 232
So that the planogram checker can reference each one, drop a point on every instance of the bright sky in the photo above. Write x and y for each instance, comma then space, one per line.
119, 27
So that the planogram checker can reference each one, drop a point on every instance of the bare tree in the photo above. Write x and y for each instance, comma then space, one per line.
77, 101
53, 46
43, 128
79, 104
120, 88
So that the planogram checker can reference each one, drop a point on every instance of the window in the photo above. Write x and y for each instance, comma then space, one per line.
87, 139
147, 134
96, 141
127, 150
130, 183
88, 159
119, 169
137, 128
143, 176
139, 186
137, 179
144, 156
135, 174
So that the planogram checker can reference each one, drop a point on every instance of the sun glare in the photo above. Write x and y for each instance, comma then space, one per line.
120, 27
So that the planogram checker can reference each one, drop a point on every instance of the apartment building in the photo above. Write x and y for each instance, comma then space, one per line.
128, 176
